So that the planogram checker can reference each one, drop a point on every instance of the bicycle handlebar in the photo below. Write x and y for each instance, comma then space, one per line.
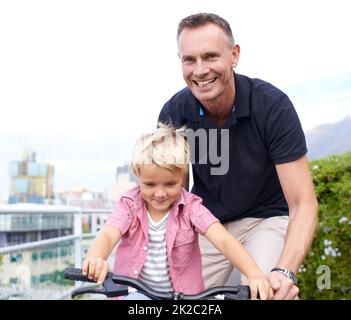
117, 285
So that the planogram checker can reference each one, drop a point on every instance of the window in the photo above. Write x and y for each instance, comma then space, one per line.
15, 257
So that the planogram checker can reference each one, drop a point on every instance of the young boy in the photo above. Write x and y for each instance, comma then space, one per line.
158, 224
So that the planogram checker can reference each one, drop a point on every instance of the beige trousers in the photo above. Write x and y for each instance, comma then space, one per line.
262, 237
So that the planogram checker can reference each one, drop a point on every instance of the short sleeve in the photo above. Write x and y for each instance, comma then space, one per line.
163, 116
121, 216
285, 139
200, 216
169, 115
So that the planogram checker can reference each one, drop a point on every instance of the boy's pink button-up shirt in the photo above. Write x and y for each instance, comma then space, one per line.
187, 218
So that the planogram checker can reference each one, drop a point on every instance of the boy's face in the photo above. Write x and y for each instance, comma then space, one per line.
159, 187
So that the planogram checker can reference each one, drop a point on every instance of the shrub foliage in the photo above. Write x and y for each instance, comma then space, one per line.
326, 271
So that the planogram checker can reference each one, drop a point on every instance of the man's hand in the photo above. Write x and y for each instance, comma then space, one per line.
283, 287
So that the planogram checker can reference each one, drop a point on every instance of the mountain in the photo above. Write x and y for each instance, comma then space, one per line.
328, 139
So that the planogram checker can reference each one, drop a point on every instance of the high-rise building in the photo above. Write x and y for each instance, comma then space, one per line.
30, 181
124, 181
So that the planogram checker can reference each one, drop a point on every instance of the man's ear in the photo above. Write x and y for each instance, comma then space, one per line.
235, 55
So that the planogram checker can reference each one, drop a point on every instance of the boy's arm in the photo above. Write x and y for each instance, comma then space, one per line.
240, 258
104, 242
96, 265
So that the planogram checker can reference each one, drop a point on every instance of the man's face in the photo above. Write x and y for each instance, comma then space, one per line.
207, 61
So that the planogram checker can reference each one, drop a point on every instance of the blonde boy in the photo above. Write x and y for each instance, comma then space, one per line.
158, 222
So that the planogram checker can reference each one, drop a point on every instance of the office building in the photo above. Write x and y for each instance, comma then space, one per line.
30, 181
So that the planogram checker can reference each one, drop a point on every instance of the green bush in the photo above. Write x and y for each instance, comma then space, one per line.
331, 248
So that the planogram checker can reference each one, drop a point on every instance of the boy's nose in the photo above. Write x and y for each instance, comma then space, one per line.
160, 193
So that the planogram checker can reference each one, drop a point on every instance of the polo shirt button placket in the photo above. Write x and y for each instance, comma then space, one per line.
135, 272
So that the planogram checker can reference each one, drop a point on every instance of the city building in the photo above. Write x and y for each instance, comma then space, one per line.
27, 222
90, 202
83, 198
124, 180
30, 181
35, 270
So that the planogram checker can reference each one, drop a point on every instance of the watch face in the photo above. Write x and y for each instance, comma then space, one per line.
292, 276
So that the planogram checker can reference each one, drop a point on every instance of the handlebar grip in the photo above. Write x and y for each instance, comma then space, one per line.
76, 275
243, 293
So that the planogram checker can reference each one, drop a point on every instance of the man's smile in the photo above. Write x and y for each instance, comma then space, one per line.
204, 83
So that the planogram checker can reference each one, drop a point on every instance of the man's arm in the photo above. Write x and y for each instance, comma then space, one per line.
295, 179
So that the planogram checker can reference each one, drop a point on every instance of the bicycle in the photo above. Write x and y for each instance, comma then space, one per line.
118, 285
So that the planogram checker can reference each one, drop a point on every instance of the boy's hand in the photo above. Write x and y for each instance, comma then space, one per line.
95, 268
260, 286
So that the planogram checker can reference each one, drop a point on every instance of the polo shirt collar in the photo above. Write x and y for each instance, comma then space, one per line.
242, 97
241, 106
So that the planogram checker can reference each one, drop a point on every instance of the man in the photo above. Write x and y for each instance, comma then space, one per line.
264, 196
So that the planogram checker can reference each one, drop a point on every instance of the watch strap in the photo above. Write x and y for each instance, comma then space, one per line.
291, 275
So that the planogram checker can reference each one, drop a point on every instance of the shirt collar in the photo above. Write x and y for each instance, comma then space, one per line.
202, 113
241, 107
139, 202
180, 201
242, 96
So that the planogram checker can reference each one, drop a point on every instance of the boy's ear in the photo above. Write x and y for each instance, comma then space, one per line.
186, 181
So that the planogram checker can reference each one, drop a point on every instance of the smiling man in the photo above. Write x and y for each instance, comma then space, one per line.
208, 56
266, 197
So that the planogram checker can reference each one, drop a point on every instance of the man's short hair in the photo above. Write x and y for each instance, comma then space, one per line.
201, 19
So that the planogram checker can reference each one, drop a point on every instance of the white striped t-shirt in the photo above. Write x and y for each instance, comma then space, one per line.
155, 272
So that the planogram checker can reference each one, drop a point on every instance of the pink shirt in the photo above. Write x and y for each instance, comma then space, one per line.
187, 218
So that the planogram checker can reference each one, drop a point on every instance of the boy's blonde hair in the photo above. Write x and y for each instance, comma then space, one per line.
166, 147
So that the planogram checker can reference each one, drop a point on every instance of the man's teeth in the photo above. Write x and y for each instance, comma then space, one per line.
204, 83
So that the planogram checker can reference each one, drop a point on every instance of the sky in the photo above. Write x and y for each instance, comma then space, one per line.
81, 79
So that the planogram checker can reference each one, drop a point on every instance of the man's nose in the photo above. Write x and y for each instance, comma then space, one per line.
201, 69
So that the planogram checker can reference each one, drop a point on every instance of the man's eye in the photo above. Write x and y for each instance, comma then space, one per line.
188, 60
212, 56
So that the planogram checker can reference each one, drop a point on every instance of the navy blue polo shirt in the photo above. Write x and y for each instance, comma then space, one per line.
264, 130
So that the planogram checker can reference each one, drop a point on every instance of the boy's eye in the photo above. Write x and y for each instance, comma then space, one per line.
149, 184
170, 184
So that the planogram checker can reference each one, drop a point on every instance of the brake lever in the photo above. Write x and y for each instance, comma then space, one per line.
113, 290
109, 289
88, 289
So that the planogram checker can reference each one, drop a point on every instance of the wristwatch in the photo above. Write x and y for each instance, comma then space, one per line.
291, 275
